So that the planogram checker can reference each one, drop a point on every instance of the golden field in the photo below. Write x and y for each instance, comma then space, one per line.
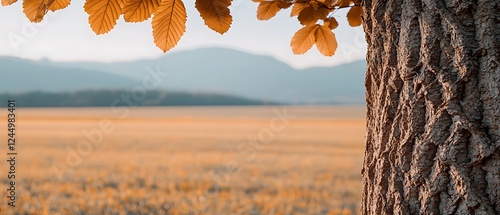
186, 160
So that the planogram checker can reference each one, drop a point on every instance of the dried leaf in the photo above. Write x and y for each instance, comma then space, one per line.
343, 3
35, 10
309, 16
284, 5
169, 24
216, 14
267, 10
354, 16
330, 3
304, 39
325, 41
59, 4
331, 23
103, 14
8, 2
297, 8
139, 10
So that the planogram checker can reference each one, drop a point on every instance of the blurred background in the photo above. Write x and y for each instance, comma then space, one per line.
232, 124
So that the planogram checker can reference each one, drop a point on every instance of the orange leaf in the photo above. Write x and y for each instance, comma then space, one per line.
139, 10
331, 23
35, 10
284, 5
326, 41
330, 3
267, 10
309, 16
103, 14
169, 24
216, 14
343, 3
59, 4
354, 16
8, 2
304, 39
297, 7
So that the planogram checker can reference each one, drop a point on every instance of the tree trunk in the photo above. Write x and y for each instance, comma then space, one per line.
433, 107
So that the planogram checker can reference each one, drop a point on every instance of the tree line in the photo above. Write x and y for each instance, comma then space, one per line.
106, 98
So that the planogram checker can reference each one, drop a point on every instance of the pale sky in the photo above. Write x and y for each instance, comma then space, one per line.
66, 36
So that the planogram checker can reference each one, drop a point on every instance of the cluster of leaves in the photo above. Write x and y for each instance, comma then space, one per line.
169, 17
317, 19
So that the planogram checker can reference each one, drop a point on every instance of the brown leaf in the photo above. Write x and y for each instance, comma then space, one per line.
139, 10
267, 10
326, 41
35, 10
284, 5
343, 3
354, 16
297, 8
216, 14
304, 39
103, 14
309, 16
331, 23
169, 24
8, 2
59, 4
330, 3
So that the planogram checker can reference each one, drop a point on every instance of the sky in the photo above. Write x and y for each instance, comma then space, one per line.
65, 35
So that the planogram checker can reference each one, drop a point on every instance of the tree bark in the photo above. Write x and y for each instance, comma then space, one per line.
433, 107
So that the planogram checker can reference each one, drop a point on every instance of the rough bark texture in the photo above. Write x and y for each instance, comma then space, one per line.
433, 107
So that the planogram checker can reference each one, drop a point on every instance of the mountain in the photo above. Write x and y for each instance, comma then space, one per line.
20, 76
215, 70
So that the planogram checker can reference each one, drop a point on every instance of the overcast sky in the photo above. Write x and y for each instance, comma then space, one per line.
66, 36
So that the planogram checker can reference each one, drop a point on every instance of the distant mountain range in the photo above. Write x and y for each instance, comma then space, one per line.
210, 70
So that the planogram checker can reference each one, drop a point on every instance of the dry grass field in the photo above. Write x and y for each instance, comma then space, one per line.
186, 160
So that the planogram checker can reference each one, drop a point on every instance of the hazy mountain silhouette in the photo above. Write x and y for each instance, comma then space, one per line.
20, 76
213, 70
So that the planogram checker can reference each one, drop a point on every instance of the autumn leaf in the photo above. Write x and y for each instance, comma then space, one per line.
329, 3
297, 8
304, 39
35, 10
331, 23
139, 10
309, 15
169, 24
216, 14
283, 4
59, 4
343, 3
103, 14
325, 41
267, 10
354, 16
8, 2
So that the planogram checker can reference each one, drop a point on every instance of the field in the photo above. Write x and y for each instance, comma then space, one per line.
186, 160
